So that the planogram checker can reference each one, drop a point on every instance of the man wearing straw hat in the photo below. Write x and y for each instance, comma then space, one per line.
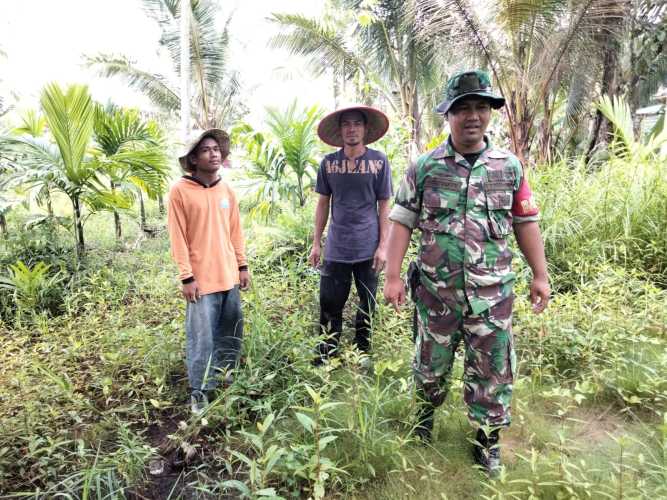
354, 184
208, 247
466, 197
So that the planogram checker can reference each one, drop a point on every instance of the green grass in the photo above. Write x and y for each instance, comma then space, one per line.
93, 389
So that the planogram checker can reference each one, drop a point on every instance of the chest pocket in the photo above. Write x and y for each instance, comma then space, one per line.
440, 200
499, 190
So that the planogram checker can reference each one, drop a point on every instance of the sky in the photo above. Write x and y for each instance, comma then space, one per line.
44, 41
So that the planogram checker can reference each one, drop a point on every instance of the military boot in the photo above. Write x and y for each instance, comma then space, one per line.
424, 428
425, 415
486, 452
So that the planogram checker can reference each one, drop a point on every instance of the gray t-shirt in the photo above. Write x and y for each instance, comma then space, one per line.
355, 188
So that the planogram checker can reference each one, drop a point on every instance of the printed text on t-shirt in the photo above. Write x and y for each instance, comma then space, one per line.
346, 166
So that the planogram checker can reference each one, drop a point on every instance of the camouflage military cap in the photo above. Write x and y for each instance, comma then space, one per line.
469, 83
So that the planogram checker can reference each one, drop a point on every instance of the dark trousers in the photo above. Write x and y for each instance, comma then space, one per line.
335, 284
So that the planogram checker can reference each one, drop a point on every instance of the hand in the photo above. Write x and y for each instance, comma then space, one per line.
394, 292
539, 294
314, 257
244, 279
379, 259
191, 292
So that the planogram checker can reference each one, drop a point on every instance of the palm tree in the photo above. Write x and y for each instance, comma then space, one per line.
33, 124
376, 44
130, 152
540, 45
35, 162
282, 162
626, 144
294, 131
215, 97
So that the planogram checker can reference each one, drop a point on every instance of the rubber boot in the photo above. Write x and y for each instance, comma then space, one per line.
486, 452
425, 416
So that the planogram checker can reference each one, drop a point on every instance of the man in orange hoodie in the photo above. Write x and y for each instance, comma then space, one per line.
208, 247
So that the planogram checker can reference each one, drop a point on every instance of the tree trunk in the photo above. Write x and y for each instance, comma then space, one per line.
521, 143
78, 228
185, 13
116, 217
118, 228
546, 133
3, 226
601, 125
415, 115
142, 210
336, 90
49, 204
160, 204
518, 124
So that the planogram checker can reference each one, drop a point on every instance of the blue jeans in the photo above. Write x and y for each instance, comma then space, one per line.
214, 329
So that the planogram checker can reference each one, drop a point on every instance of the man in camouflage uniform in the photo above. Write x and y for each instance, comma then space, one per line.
466, 196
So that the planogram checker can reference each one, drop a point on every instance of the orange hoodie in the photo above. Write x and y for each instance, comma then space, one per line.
206, 235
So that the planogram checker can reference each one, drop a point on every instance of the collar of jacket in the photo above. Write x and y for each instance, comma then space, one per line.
446, 150
194, 179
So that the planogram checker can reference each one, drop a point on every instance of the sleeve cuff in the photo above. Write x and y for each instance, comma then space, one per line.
188, 280
528, 218
404, 216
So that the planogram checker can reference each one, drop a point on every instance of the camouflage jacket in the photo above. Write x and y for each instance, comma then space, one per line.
465, 214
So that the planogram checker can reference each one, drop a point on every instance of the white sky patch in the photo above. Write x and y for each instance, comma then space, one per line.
44, 41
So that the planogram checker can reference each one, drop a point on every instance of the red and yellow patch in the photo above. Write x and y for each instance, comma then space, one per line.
524, 202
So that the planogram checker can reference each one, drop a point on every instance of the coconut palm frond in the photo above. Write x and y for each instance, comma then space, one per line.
208, 45
224, 107
324, 46
32, 123
455, 24
618, 113
70, 116
162, 11
118, 129
154, 86
33, 162
128, 147
148, 165
581, 88
100, 200
586, 22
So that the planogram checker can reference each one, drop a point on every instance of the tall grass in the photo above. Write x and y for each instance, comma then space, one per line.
612, 214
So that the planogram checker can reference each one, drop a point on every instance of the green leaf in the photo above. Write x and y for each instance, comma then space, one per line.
266, 492
307, 422
70, 117
238, 486
325, 441
264, 426
313, 395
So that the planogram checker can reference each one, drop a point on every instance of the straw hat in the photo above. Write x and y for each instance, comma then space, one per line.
220, 136
377, 125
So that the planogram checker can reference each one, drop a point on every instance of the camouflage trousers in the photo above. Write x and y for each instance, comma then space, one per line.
489, 361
